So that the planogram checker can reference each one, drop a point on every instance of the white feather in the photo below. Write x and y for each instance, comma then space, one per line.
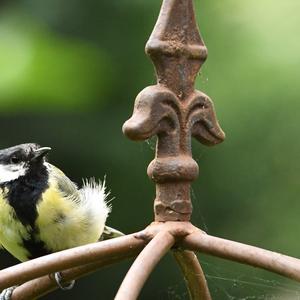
93, 201
11, 172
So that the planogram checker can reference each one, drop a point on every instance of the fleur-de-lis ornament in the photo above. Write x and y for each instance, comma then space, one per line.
173, 110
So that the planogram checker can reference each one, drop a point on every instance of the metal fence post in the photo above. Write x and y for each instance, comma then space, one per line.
173, 110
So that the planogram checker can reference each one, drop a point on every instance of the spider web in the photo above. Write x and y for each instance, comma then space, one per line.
232, 285
250, 284
230, 280
233, 281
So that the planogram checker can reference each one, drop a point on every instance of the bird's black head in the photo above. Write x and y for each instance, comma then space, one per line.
19, 160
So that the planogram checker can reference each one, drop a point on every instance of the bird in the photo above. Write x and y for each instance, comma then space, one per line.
42, 211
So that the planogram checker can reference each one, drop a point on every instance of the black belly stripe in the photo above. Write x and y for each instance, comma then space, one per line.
23, 194
35, 248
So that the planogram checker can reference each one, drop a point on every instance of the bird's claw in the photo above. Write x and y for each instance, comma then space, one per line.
62, 285
6, 294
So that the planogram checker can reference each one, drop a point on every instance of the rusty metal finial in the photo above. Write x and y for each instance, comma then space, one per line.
173, 110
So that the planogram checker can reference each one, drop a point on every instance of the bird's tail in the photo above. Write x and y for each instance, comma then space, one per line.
94, 200
94, 197
110, 233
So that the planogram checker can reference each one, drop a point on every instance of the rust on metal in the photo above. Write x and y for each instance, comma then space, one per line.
173, 110
194, 277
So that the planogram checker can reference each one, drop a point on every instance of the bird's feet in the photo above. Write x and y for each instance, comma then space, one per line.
6, 294
60, 282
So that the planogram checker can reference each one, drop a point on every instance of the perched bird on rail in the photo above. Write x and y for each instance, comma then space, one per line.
42, 210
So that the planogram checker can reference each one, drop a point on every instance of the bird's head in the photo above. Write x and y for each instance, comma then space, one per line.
16, 161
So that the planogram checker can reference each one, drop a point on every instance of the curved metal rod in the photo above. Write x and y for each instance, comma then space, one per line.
39, 287
66, 259
193, 274
143, 266
245, 254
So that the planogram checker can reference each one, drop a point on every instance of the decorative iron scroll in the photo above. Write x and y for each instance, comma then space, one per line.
173, 110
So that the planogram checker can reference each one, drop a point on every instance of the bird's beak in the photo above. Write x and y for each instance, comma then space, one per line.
41, 152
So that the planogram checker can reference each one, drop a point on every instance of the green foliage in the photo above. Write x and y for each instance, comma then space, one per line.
42, 69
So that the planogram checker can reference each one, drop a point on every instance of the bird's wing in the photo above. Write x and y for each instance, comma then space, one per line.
67, 187
91, 198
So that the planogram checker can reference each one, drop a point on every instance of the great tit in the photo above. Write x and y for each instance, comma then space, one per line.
42, 211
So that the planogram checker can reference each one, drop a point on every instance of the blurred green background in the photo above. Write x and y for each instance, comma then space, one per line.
69, 73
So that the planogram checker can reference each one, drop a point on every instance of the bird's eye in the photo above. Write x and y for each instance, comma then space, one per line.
14, 160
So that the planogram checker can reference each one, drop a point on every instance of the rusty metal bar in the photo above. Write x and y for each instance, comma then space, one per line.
193, 274
173, 110
39, 287
106, 250
271, 261
144, 265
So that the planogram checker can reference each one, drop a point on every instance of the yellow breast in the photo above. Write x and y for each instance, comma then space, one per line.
12, 232
63, 223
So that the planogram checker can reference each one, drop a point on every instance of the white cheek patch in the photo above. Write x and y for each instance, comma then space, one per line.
11, 172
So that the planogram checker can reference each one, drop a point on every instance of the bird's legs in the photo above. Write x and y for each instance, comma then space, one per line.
65, 286
6, 294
